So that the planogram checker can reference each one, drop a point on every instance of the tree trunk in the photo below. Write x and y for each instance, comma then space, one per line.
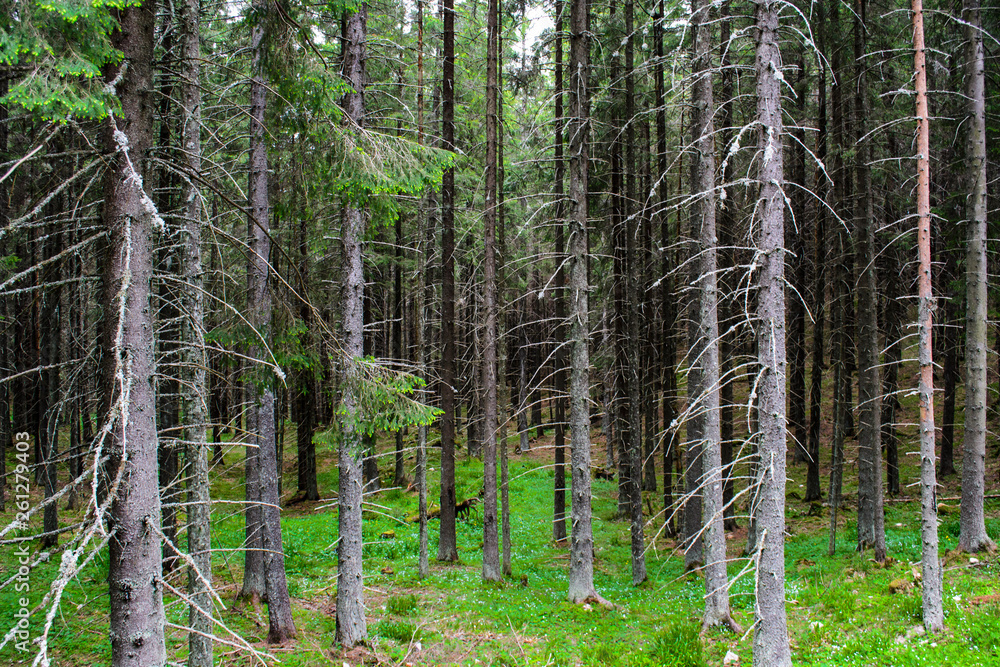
871, 515
813, 490
972, 527
581, 566
667, 301
195, 386
491, 546
770, 646
705, 346
352, 626
932, 573
447, 545
893, 357
424, 296
559, 476
136, 598
260, 416
946, 462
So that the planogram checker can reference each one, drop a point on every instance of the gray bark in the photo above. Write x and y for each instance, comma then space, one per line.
136, 593
581, 566
871, 515
705, 348
491, 545
447, 544
260, 417
972, 527
195, 387
352, 626
770, 645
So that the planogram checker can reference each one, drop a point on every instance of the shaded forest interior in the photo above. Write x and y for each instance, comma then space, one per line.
607, 332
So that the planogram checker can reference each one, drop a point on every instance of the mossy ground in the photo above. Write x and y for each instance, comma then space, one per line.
841, 610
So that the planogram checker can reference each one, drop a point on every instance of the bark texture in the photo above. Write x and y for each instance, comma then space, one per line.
932, 572
195, 387
581, 565
136, 594
770, 645
491, 546
447, 545
352, 626
705, 349
871, 515
972, 527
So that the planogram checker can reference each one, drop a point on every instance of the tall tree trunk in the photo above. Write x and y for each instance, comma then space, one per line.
770, 646
932, 573
726, 256
581, 565
491, 546
305, 394
840, 404
893, 358
559, 476
946, 462
871, 515
813, 490
136, 598
195, 386
705, 347
425, 295
797, 307
667, 301
352, 627
972, 527
399, 471
447, 545
632, 348
260, 416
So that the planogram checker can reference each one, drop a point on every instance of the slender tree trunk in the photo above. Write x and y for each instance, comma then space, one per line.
893, 359
581, 566
447, 545
136, 598
399, 472
972, 527
424, 296
705, 346
813, 490
632, 273
667, 301
795, 233
260, 417
946, 462
559, 492
491, 546
932, 573
195, 386
840, 407
352, 626
871, 515
770, 646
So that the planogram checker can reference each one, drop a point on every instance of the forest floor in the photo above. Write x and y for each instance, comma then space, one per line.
844, 610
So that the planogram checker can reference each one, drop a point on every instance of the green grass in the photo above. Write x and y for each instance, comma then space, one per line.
840, 609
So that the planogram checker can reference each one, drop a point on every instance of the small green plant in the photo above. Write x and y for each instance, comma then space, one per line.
678, 645
403, 605
400, 631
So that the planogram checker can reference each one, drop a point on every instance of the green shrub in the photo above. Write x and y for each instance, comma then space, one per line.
678, 645
403, 605
400, 631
